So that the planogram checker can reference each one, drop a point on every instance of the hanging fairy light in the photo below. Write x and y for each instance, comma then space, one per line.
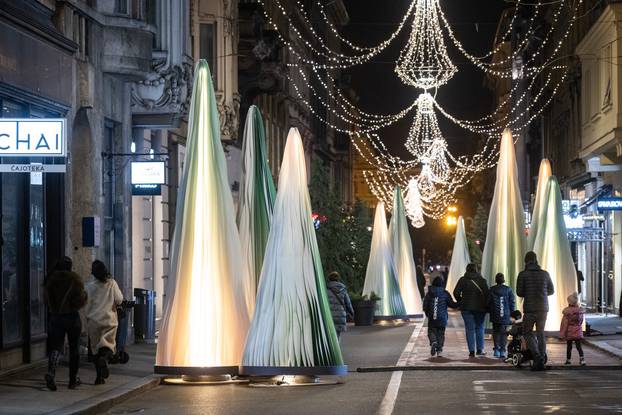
414, 209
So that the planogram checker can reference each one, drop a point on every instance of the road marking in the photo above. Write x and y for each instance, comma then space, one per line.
390, 396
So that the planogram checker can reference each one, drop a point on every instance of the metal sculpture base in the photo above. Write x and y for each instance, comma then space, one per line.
289, 381
203, 380
294, 371
392, 318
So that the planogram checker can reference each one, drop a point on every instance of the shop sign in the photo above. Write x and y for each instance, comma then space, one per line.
572, 214
609, 203
24, 137
33, 168
147, 178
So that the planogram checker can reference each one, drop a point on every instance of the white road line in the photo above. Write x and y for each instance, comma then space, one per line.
390, 396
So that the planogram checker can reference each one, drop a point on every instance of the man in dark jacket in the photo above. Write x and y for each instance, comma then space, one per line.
340, 304
435, 306
534, 285
501, 303
471, 292
420, 281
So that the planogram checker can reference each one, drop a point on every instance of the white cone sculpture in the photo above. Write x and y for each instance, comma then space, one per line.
256, 202
292, 331
505, 244
381, 275
205, 321
401, 245
553, 250
460, 257
538, 208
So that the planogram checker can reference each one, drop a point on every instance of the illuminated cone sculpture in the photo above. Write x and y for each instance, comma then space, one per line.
553, 250
505, 244
292, 331
381, 276
460, 257
538, 208
402, 249
205, 321
256, 202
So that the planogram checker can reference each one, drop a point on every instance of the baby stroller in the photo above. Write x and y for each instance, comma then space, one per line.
518, 352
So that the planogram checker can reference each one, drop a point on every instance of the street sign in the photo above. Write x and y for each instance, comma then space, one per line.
33, 168
146, 189
609, 203
40, 137
148, 172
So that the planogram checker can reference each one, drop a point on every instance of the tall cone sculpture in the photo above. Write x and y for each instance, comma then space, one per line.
206, 320
505, 244
256, 202
538, 208
381, 276
292, 331
460, 257
553, 250
401, 246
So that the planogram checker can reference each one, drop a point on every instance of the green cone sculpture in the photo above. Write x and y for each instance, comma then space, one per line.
401, 246
460, 257
256, 202
381, 276
538, 208
553, 250
205, 321
292, 331
504, 248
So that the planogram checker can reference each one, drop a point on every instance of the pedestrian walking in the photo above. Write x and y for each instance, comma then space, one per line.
101, 317
501, 303
340, 304
534, 285
571, 328
65, 295
435, 306
580, 279
445, 275
420, 281
471, 292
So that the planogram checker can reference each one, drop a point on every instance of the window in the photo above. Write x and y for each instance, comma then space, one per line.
207, 46
120, 7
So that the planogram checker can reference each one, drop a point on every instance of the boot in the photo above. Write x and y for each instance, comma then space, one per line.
52, 363
74, 383
101, 363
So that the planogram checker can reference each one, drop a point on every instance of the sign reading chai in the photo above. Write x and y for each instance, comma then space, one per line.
23, 137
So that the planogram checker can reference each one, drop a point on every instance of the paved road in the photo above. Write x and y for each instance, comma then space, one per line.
419, 392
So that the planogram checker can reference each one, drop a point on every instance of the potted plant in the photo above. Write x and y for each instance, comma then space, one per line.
364, 308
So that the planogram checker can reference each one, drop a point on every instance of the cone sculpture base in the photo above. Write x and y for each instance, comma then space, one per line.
294, 370
190, 371
404, 317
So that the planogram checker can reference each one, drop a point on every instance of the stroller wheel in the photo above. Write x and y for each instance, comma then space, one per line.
517, 359
124, 357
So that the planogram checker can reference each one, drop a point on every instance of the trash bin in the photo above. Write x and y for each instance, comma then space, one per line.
144, 315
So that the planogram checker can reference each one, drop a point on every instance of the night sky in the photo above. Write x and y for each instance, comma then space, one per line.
465, 96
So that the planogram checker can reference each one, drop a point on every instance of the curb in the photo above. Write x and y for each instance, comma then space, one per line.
107, 400
608, 350
477, 368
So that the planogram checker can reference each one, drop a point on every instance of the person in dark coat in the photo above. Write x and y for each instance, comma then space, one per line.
339, 300
501, 303
445, 275
435, 305
471, 292
534, 285
580, 279
65, 295
421, 281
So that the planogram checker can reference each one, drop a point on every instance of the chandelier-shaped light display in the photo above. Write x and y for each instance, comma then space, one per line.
381, 275
553, 250
425, 63
460, 257
401, 246
414, 209
292, 331
539, 206
424, 128
206, 319
505, 244
256, 202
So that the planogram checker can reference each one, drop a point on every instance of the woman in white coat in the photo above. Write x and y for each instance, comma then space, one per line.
104, 296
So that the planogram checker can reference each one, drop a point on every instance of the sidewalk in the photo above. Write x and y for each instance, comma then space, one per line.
25, 393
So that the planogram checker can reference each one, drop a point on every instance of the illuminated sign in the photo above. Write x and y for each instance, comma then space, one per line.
572, 214
148, 172
146, 189
609, 203
22, 137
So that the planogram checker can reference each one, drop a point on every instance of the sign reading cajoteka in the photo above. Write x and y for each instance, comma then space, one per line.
32, 137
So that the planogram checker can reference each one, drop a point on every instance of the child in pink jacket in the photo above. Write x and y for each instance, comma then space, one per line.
571, 328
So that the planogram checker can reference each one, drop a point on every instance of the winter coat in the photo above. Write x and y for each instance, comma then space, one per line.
64, 292
340, 304
501, 303
435, 306
101, 312
534, 285
471, 292
571, 327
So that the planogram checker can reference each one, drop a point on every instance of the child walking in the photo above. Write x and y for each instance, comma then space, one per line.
501, 304
435, 306
571, 328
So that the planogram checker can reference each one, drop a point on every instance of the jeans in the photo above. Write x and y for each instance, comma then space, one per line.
474, 329
535, 339
66, 324
437, 335
569, 348
499, 336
